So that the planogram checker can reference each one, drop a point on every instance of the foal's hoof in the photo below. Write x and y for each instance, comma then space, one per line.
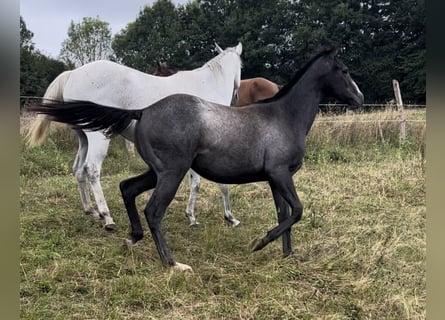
257, 244
289, 254
181, 267
127, 244
110, 227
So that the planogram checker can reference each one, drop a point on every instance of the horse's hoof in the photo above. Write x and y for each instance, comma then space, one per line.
127, 244
253, 243
233, 223
195, 225
288, 254
110, 227
257, 244
181, 267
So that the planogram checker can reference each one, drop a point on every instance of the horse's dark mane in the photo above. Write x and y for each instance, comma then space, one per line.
287, 87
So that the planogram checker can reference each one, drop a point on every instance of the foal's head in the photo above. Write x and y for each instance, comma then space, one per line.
338, 82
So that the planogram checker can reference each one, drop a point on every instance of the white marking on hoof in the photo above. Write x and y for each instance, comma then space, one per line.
234, 223
195, 225
127, 244
110, 227
109, 224
182, 267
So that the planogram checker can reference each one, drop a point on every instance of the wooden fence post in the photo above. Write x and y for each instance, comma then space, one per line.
401, 114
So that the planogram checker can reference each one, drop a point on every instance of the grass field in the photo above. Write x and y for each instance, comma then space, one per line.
359, 249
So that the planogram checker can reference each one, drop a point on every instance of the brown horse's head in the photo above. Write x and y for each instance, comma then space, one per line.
163, 70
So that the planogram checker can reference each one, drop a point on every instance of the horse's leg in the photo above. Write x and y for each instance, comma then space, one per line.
130, 189
194, 181
283, 213
281, 182
230, 219
168, 183
81, 175
130, 148
97, 149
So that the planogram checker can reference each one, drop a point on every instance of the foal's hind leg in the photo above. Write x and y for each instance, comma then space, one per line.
130, 189
230, 219
166, 187
97, 149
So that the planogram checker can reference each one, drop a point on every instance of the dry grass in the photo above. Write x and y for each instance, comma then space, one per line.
359, 249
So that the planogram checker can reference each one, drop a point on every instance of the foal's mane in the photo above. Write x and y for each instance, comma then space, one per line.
287, 87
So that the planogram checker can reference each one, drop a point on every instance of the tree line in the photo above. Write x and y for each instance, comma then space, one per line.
378, 40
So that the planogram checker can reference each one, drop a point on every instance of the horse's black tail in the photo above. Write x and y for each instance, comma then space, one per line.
87, 115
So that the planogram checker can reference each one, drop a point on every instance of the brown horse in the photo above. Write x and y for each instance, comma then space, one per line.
250, 90
255, 89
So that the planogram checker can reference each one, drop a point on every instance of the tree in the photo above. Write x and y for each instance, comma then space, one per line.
379, 40
88, 41
154, 36
27, 70
25, 37
36, 70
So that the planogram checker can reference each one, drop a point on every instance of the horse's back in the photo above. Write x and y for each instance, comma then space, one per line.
110, 83
263, 88
256, 89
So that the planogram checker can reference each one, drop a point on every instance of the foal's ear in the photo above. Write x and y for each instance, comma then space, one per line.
239, 48
218, 48
333, 51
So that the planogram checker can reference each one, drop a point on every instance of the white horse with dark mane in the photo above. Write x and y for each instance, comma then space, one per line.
109, 83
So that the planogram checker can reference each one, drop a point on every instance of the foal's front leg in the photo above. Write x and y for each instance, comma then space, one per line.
283, 213
282, 182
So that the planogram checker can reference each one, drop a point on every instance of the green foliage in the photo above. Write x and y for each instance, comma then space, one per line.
36, 70
25, 36
379, 40
88, 40
154, 36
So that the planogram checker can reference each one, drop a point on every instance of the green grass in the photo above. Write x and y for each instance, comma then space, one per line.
359, 248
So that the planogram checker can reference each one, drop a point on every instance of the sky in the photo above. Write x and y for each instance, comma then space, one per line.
49, 19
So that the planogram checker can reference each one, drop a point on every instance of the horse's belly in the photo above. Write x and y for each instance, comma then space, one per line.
225, 170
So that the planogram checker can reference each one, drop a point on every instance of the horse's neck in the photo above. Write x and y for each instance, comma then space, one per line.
302, 101
220, 77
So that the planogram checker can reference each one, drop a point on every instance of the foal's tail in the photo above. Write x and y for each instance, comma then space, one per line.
87, 115
39, 129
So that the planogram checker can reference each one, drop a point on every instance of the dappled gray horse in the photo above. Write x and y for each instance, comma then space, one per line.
182, 132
